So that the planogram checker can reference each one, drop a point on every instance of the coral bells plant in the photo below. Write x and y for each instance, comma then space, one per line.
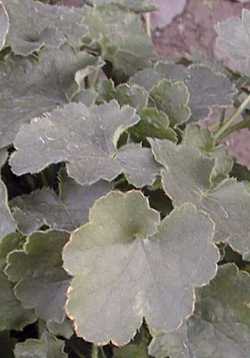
124, 220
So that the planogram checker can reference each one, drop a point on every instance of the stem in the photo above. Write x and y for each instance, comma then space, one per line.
103, 355
245, 123
94, 353
224, 128
94, 78
148, 24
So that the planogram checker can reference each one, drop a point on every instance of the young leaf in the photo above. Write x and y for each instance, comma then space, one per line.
4, 25
47, 346
233, 42
64, 212
29, 89
173, 99
41, 282
206, 87
220, 326
34, 25
13, 315
87, 142
123, 42
186, 178
124, 269
154, 124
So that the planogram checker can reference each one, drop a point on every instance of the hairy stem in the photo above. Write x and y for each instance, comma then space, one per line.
220, 134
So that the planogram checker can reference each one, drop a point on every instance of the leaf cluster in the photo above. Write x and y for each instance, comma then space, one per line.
124, 222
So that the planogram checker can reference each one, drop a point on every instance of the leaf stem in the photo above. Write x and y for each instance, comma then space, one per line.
94, 353
147, 17
220, 134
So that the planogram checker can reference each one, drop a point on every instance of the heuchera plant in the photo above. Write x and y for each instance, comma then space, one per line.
124, 222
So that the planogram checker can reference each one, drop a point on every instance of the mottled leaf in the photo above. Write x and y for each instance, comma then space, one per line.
47, 346
154, 124
186, 178
13, 315
137, 6
34, 25
41, 282
220, 326
233, 41
123, 42
29, 89
173, 99
64, 212
207, 88
124, 270
87, 142
4, 24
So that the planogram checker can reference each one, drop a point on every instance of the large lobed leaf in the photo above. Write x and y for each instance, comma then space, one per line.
47, 346
127, 265
34, 25
29, 89
186, 178
122, 42
207, 88
13, 315
233, 42
220, 326
40, 281
86, 138
65, 211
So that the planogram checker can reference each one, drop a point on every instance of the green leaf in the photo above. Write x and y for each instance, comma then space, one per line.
132, 95
233, 41
4, 25
220, 326
186, 178
62, 329
173, 99
41, 282
122, 42
207, 88
13, 315
34, 25
132, 350
46, 347
64, 212
154, 124
29, 89
87, 143
124, 269
137, 6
